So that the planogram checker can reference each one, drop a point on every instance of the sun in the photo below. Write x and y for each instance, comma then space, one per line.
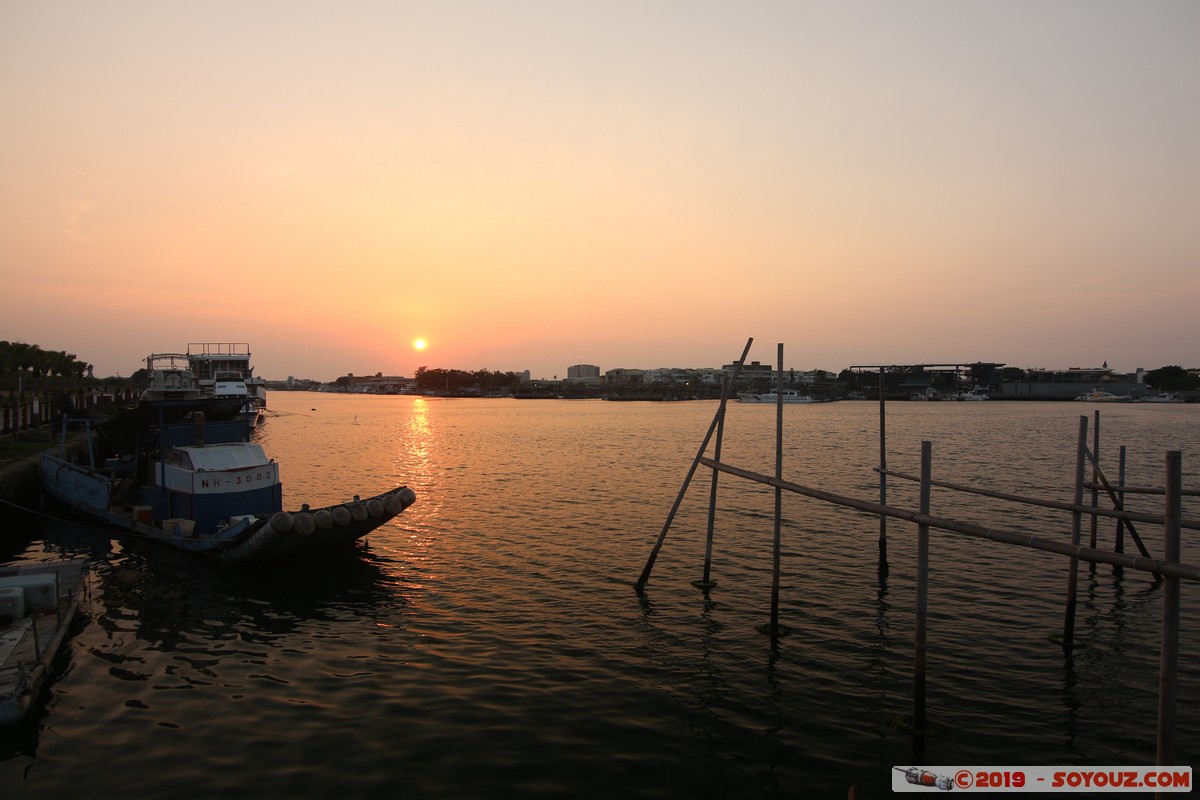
419, 344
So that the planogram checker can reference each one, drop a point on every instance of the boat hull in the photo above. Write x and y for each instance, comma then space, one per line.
29, 645
240, 538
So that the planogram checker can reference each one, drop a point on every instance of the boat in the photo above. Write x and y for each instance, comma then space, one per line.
1101, 396
223, 370
789, 396
977, 393
201, 486
927, 394
171, 378
37, 604
1163, 397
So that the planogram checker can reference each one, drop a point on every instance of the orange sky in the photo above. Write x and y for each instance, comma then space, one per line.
530, 185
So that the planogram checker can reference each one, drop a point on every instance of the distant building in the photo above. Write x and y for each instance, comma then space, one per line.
583, 371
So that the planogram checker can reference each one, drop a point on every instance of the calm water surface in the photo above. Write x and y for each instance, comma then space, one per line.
488, 642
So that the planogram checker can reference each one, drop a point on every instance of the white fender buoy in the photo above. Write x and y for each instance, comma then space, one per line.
282, 521
341, 516
357, 512
303, 524
374, 507
408, 496
393, 503
323, 519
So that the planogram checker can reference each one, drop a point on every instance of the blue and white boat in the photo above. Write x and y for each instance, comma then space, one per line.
199, 485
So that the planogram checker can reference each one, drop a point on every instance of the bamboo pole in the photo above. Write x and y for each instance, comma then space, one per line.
1119, 543
1076, 530
1057, 546
1095, 472
773, 628
1169, 654
1112, 495
922, 621
883, 559
645, 576
706, 582
1121, 513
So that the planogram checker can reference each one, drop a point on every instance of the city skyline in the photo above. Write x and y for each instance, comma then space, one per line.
652, 182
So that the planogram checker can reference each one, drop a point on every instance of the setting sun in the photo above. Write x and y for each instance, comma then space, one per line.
419, 344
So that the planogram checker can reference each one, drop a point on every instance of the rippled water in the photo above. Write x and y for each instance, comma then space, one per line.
488, 642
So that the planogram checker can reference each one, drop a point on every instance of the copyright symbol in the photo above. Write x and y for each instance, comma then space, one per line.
963, 779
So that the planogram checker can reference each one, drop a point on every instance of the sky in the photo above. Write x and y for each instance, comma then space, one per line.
532, 184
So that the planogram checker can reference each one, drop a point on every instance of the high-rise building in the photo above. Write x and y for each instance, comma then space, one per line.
583, 371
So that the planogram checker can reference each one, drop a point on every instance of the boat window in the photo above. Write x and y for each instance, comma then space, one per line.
179, 458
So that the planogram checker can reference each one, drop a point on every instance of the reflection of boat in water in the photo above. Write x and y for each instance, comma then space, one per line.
1101, 396
223, 370
37, 604
201, 486
789, 396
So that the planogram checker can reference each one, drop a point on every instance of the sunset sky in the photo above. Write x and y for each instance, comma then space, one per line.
530, 184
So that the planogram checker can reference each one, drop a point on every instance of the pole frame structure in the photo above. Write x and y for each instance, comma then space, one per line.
640, 586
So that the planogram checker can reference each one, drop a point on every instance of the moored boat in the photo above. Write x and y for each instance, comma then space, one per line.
1163, 397
789, 396
202, 486
37, 604
223, 370
977, 393
1101, 396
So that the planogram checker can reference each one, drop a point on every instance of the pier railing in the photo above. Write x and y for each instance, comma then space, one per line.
1167, 569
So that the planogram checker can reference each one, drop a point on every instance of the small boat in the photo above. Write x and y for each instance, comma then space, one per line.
789, 396
1101, 396
977, 393
202, 486
37, 603
1163, 397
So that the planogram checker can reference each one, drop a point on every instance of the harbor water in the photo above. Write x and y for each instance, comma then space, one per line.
488, 642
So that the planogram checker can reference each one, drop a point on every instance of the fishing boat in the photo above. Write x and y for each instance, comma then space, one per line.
789, 396
171, 378
37, 603
201, 486
223, 370
1163, 397
975, 394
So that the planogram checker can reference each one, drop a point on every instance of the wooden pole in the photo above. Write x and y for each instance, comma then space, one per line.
883, 560
1119, 545
1169, 657
1059, 546
922, 595
706, 582
645, 576
1076, 532
773, 628
1095, 489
